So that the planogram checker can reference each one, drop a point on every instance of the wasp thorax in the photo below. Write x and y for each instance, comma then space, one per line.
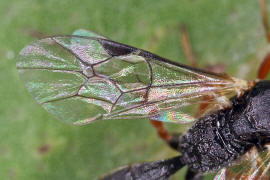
259, 106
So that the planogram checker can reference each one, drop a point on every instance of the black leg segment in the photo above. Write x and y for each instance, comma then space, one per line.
191, 175
174, 141
158, 170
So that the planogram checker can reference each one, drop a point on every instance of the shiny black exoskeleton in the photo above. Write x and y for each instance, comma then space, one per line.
215, 140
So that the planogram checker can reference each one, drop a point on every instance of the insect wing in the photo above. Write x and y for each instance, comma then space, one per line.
80, 79
221, 175
253, 165
87, 33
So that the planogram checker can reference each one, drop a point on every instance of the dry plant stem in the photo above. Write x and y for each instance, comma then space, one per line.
265, 65
186, 45
263, 9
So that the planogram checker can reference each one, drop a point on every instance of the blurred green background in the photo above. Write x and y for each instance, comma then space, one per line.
33, 145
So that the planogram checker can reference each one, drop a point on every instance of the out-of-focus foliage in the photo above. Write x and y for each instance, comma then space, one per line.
33, 145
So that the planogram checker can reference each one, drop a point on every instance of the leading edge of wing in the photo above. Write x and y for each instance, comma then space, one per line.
119, 49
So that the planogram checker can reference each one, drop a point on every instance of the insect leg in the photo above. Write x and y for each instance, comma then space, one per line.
191, 175
147, 171
164, 134
161, 131
186, 45
171, 139
265, 65
184, 40
263, 9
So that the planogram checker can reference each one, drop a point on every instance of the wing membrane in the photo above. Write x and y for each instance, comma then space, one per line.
253, 166
80, 79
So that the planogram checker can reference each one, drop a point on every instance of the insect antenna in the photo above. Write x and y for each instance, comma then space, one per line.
147, 171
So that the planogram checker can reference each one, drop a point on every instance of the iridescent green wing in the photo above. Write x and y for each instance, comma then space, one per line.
87, 33
253, 165
79, 79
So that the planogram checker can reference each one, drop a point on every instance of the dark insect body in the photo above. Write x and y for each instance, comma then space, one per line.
219, 138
